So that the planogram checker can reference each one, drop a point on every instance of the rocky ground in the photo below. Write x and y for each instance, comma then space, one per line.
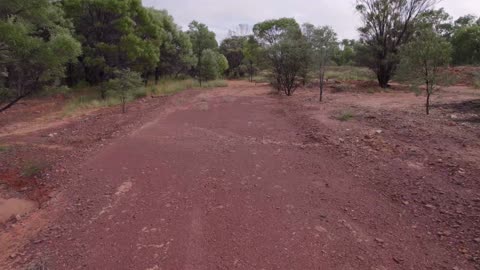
239, 177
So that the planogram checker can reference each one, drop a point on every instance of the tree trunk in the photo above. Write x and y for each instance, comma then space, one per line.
145, 78
157, 75
11, 103
383, 75
322, 81
427, 104
321, 89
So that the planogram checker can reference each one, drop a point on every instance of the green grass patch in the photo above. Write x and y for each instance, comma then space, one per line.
349, 73
169, 86
88, 102
345, 116
32, 168
87, 98
4, 148
476, 80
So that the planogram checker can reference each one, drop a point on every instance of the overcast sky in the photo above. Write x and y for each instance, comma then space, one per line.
223, 15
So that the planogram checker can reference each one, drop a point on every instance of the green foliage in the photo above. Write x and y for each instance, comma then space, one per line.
466, 44
203, 39
126, 85
438, 20
35, 45
286, 51
321, 46
4, 148
387, 26
212, 66
422, 59
345, 116
467, 21
252, 54
32, 168
232, 49
176, 49
222, 64
115, 35
169, 86
349, 73
345, 54
273, 31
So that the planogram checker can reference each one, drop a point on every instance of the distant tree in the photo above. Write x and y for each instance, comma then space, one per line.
115, 35
213, 65
232, 49
345, 53
202, 39
466, 45
35, 44
176, 53
285, 49
222, 64
251, 51
438, 20
422, 58
323, 44
466, 21
387, 25
124, 84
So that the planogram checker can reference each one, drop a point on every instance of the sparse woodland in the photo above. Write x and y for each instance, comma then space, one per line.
61, 45
313, 152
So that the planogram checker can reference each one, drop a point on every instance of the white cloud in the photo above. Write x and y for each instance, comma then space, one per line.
222, 15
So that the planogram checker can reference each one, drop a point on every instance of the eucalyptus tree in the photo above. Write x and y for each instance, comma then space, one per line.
114, 35
35, 44
322, 46
213, 65
232, 49
422, 60
176, 52
286, 51
252, 53
387, 26
466, 45
202, 39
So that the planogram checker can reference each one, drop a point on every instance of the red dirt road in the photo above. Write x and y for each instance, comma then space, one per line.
231, 181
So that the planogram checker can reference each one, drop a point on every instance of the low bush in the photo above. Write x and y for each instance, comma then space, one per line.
32, 168
345, 116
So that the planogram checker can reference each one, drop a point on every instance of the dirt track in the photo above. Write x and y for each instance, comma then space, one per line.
236, 178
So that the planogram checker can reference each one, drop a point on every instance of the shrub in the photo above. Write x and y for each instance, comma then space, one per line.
345, 116
32, 168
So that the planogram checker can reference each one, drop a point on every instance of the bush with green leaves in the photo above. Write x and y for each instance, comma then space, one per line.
466, 45
286, 51
126, 85
212, 66
422, 60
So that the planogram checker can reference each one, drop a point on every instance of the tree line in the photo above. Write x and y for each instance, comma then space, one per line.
45, 43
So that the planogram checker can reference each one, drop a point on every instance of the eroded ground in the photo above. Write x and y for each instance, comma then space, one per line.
241, 178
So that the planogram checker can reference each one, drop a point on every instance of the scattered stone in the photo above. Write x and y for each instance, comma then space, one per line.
477, 240
429, 206
397, 260
379, 240
320, 229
